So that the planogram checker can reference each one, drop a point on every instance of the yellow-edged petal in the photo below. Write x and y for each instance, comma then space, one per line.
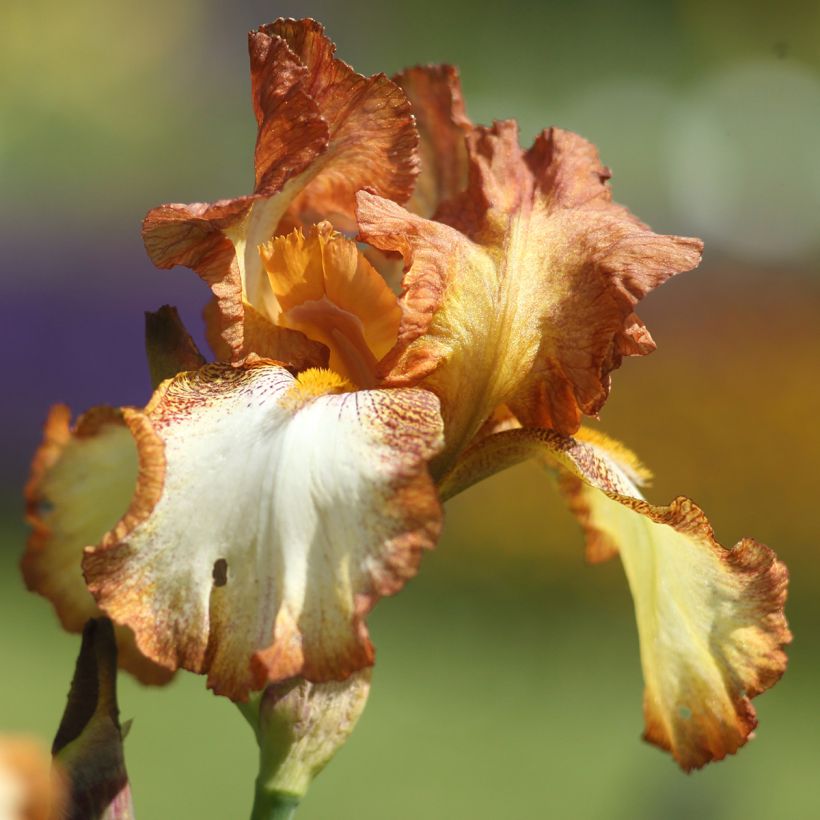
325, 288
268, 520
82, 480
523, 290
710, 619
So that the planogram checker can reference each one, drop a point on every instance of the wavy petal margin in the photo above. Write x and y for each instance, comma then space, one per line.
526, 295
82, 480
326, 289
710, 619
434, 92
269, 519
323, 132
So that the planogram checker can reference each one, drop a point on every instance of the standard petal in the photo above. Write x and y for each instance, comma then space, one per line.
526, 295
710, 619
373, 140
272, 513
82, 481
323, 132
434, 92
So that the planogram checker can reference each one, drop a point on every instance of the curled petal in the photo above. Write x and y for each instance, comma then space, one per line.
271, 514
526, 295
82, 480
434, 92
373, 141
323, 132
265, 339
196, 236
710, 619
325, 288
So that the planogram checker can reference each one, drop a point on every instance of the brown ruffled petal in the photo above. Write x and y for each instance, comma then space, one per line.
271, 514
526, 295
82, 480
292, 132
373, 140
434, 92
323, 132
265, 339
196, 236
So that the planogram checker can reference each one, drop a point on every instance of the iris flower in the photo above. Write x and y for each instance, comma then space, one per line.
245, 521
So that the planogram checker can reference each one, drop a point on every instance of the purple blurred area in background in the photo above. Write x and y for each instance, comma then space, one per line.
77, 338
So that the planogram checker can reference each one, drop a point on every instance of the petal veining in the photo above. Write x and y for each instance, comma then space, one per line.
523, 291
324, 131
325, 288
434, 92
267, 527
710, 619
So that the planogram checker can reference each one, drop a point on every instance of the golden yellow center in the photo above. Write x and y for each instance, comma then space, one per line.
312, 383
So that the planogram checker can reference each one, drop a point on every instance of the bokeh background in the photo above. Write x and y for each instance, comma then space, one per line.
508, 680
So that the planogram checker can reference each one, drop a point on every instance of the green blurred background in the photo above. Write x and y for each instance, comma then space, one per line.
508, 680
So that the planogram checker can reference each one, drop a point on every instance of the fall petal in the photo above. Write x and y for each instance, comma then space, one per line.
82, 480
710, 619
526, 295
434, 92
271, 515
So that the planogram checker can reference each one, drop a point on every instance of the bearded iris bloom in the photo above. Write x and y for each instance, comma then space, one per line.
244, 522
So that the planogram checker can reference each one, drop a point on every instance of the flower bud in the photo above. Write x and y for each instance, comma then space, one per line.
299, 727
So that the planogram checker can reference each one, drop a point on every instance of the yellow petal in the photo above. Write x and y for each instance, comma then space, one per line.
710, 619
523, 290
82, 481
268, 521
325, 288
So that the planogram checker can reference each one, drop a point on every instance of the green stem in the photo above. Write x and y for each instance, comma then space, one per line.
273, 805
